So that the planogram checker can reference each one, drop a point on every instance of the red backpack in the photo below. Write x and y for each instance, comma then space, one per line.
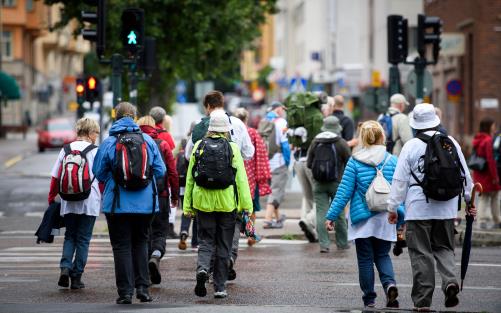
74, 179
132, 170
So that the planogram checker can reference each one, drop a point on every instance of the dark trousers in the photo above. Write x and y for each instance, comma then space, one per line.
76, 242
185, 226
129, 240
215, 235
159, 227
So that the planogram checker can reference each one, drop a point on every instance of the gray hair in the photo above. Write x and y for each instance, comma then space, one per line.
242, 114
125, 109
158, 114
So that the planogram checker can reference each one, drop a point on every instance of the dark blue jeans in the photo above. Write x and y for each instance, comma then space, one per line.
372, 251
76, 242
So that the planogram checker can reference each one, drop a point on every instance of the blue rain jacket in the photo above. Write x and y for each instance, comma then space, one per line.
139, 201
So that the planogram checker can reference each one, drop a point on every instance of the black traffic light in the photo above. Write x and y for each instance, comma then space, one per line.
147, 59
428, 32
397, 39
132, 32
92, 88
80, 90
97, 35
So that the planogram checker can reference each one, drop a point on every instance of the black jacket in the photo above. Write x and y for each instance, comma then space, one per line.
347, 124
51, 220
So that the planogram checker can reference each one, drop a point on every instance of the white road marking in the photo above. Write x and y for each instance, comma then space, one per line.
1, 214
18, 280
34, 214
410, 286
481, 264
12, 161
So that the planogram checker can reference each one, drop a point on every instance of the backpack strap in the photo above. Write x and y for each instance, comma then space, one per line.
88, 149
67, 149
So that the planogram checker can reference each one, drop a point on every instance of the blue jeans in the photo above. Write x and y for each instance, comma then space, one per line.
76, 242
372, 251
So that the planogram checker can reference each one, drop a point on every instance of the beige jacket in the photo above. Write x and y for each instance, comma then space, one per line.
401, 130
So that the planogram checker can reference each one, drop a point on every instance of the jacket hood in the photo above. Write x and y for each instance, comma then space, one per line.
372, 155
327, 137
123, 125
149, 130
479, 138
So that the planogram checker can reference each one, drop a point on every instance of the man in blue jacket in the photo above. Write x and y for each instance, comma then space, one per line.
128, 212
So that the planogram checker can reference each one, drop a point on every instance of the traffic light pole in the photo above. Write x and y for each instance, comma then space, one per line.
133, 84
394, 80
419, 66
116, 78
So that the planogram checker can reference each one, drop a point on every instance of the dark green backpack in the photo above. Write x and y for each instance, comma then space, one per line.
304, 110
200, 130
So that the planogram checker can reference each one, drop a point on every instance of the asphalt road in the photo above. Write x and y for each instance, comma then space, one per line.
273, 276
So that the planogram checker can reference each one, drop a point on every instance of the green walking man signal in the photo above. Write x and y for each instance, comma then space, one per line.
132, 38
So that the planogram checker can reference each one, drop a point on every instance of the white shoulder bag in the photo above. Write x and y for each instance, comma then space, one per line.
378, 192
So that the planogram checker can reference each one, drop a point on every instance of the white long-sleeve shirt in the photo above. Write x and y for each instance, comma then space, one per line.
240, 136
416, 207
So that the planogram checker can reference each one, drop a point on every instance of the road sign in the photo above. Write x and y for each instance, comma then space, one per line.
454, 87
411, 86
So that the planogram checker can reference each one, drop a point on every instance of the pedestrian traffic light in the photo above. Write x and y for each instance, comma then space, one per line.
428, 32
92, 89
397, 39
97, 35
80, 89
132, 32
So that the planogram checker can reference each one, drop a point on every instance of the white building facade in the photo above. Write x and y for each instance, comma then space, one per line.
338, 45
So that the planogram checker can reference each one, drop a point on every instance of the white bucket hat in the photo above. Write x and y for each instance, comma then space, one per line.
219, 122
423, 117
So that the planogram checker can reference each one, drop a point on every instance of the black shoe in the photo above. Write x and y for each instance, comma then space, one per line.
307, 232
171, 234
391, 297
64, 278
154, 269
77, 283
451, 295
124, 299
232, 275
143, 295
200, 289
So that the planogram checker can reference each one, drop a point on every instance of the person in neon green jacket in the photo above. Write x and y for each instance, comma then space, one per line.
216, 209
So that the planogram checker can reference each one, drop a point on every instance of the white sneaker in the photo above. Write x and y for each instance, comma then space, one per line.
220, 294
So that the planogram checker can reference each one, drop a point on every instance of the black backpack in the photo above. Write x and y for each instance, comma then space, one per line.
324, 166
213, 164
443, 173
132, 170
161, 183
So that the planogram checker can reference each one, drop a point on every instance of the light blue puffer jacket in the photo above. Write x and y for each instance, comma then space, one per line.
357, 177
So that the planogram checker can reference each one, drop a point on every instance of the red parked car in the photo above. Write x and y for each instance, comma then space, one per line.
56, 132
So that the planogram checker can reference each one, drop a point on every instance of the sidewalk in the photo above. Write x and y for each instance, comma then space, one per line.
14, 148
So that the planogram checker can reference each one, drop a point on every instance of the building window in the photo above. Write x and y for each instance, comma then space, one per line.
9, 3
7, 45
29, 5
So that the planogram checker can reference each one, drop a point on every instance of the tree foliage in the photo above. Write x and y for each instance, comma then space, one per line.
196, 39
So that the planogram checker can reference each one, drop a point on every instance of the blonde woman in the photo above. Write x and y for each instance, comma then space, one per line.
81, 208
371, 230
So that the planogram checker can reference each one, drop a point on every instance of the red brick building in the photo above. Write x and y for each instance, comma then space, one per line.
471, 54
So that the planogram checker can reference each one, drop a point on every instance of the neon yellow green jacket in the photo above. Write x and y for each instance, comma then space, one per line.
218, 200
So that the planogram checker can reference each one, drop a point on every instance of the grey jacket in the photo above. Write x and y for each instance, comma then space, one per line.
401, 130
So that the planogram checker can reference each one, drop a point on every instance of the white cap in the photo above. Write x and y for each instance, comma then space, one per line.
398, 98
219, 122
423, 117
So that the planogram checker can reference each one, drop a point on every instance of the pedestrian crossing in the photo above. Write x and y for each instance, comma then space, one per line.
47, 256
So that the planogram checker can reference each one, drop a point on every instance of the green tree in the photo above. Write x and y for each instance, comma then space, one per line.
196, 39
